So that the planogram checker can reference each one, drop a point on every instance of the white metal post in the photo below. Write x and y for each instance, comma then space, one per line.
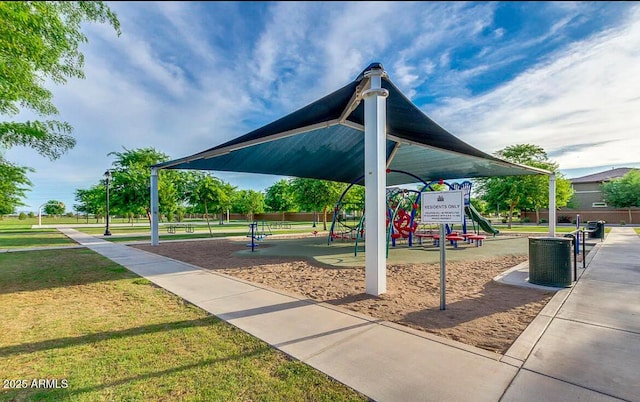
155, 238
375, 121
552, 205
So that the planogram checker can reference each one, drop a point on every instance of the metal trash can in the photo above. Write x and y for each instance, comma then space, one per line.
595, 229
550, 261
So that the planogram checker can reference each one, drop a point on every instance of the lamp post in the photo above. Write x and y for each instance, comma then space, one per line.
107, 176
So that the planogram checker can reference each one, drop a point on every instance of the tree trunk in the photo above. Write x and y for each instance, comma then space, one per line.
510, 217
537, 216
324, 217
630, 216
206, 214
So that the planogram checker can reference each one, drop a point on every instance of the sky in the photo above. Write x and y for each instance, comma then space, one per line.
187, 76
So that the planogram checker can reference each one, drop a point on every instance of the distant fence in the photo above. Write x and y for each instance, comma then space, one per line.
610, 216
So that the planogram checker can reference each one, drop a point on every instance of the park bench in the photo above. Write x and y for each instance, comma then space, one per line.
188, 227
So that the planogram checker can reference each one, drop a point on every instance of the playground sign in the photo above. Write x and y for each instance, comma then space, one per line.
442, 206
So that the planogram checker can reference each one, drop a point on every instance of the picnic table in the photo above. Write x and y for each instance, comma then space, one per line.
188, 227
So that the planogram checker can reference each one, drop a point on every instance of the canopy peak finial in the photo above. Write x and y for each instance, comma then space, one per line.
372, 66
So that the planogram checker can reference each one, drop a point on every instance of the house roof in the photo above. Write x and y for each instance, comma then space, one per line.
325, 140
602, 176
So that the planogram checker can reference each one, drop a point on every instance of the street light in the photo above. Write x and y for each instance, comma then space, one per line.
107, 176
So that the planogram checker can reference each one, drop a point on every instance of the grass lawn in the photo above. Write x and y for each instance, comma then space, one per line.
104, 333
15, 236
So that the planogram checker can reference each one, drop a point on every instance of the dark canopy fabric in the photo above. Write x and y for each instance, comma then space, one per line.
325, 140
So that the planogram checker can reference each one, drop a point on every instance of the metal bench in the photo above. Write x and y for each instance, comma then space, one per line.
188, 227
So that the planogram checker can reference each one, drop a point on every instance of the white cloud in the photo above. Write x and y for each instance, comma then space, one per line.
586, 93
179, 80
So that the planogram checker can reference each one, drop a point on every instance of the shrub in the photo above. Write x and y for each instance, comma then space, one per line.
504, 220
564, 219
22, 216
31, 215
623, 223
526, 219
543, 221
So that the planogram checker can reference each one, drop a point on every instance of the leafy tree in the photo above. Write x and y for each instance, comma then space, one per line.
623, 192
207, 193
91, 201
480, 205
39, 41
279, 197
528, 191
13, 185
316, 195
54, 208
129, 186
354, 199
248, 202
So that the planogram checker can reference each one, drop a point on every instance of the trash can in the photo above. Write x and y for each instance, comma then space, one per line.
550, 261
595, 229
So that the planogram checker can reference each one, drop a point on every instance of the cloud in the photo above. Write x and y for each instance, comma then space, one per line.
187, 76
583, 94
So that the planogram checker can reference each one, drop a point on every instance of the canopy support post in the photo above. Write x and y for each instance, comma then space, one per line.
375, 180
155, 238
552, 205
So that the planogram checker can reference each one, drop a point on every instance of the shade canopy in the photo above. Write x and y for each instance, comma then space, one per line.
325, 140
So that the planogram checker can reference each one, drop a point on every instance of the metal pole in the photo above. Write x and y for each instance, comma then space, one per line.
107, 176
155, 235
443, 271
253, 236
584, 252
552, 205
575, 256
375, 161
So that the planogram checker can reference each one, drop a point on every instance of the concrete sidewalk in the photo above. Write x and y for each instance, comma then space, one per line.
578, 348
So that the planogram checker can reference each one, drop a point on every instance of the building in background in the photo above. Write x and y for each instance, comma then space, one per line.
587, 189
589, 203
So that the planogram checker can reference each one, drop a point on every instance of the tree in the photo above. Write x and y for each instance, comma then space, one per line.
248, 202
91, 200
623, 192
40, 40
279, 197
13, 185
129, 186
54, 208
316, 195
208, 193
528, 191
354, 199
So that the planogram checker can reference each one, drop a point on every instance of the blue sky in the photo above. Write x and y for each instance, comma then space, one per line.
187, 76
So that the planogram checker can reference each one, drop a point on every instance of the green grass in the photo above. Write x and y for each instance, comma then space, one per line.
74, 315
29, 239
15, 234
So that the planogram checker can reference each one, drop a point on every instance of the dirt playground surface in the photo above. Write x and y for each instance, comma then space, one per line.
479, 311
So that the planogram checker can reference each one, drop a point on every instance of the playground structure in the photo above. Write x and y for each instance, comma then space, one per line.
257, 232
403, 218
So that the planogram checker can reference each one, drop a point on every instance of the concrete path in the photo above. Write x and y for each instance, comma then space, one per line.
584, 345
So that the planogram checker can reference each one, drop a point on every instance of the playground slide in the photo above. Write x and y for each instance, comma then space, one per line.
482, 221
